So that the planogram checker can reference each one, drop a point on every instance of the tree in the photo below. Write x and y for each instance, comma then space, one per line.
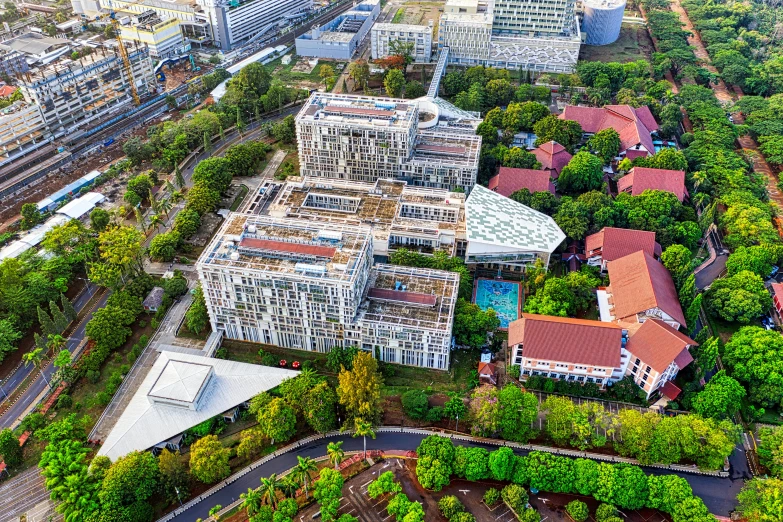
499, 92
605, 144
415, 404
449, 506
754, 357
520, 159
10, 449
414, 89
8, 337
47, 324
578, 510
472, 325
137, 150
197, 317
666, 491
741, 297
359, 389
359, 72
31, 216
35, 358
120, 251
484, 411
515, 497
99, 219
140, 185
327, 75
760, 500
678, 261
555, 298
67, 478
68, 308
757, 259
567, 133
518, 411
385, 483
202, 199
132, 478
304, 467
163, 247
285, 130
320, 408
63, 359
721, 397
363, 429
209, 460
277, 421
174, 475
335, 452
455, 408
583, 173
394, 82
328, 493
770, 450
215, 173
269, 487
251, 501
187, 223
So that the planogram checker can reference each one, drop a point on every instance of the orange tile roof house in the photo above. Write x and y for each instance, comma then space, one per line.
509, 180
777, 298
640, 179
488, 373
657, 352
611, 243
640, 288
634, 125
552, 156
562, 348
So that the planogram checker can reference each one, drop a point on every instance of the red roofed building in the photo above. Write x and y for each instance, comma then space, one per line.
657, 352
6, 91
640, 179
640, 288
488, 373
509, 180
777, 298
562, 348
612, 243
634, 125
553, 157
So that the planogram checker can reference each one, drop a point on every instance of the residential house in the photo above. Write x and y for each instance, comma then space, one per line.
154, 299
488, 373
577, 350
640, 179
609, 244
509, 180
777, 298
657, 352
553, 157
640, 288
634, 125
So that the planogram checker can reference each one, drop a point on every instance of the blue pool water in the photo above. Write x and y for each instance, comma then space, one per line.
501, 296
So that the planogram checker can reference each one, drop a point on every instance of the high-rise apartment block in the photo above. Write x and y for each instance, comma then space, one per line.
534, 35
363, 138
312, 286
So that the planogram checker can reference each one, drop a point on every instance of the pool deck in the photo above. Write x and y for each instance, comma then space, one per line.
520, 294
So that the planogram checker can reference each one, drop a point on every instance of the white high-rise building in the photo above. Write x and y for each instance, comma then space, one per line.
418, 36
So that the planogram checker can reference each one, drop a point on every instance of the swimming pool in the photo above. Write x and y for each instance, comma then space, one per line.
501, 296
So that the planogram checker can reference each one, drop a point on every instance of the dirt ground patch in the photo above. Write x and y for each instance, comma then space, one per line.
633, 44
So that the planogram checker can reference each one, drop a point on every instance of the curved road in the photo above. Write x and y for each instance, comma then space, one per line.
718, 493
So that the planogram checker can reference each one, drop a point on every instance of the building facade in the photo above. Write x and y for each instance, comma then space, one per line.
339, 38
163, 37
419, 37
602, 20
533, 17
312, 286
12, 63
361, 138
195, 24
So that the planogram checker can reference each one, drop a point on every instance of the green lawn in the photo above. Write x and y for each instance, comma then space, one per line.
288, 76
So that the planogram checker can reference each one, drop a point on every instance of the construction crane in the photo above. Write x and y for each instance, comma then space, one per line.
126, 64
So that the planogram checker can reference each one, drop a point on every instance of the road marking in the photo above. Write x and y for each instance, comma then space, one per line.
503, 515
464, 491
366, 483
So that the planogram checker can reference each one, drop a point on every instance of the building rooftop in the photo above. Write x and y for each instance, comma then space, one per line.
613, 243
268, 244
604, 4
181, 391
640, 179
637, 283
552, 156
634, 125
350, 110
33, 43
401, 27
454, 148
509, 180
578, 341
658, 345
154, 299
495, 219
415, 297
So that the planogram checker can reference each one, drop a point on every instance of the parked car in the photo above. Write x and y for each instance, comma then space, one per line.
768, 323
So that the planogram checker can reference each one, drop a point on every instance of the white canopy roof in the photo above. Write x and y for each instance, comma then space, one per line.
80, 206
206, 387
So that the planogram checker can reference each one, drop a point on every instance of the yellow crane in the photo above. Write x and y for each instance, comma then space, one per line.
126, 64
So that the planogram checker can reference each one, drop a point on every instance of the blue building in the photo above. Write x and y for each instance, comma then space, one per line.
339, 38
52, 202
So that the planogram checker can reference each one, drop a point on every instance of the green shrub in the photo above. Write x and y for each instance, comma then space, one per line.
142, 323
515, 497
578, 510
605, 512
93, 376
415, 404
491, 497
515, 371
435, 414
64, 401
102, 398
450, 506
463, 517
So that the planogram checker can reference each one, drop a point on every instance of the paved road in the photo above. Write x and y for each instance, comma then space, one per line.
718, 494
714, 270
38, 386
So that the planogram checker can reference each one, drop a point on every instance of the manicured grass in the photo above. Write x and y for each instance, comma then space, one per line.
398, 16
288, 76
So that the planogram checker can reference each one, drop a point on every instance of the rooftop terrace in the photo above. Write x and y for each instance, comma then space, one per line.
453, 148
358, 110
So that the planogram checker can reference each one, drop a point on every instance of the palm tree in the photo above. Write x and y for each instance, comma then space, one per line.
252, 501
335, 452
140, 218
164, 205
363, 429
155, 222
302, 471
35, 358
176, 197
55, 342
289, 486
269, 487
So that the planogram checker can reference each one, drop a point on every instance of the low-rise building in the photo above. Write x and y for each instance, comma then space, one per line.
553, 157
609, 244
777, 298
509, 180
657, 353
634, 125
339, 38
419, 37
640, 288
640, 179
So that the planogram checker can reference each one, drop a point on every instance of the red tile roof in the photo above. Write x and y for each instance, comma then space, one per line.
284, 246
777, 292
403, 297
615, 243
6, 91
509, 180
640, 179
487, 369
638, 282
577, 341
658, 345
670, 390
553, 156
633, 125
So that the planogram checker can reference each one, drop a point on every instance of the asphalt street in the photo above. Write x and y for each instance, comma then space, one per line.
35, 389
719, 494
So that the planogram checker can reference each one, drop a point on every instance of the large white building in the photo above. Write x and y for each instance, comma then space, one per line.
534, 35
312, 286
419, 37
339, 38
163, 37
362, 138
